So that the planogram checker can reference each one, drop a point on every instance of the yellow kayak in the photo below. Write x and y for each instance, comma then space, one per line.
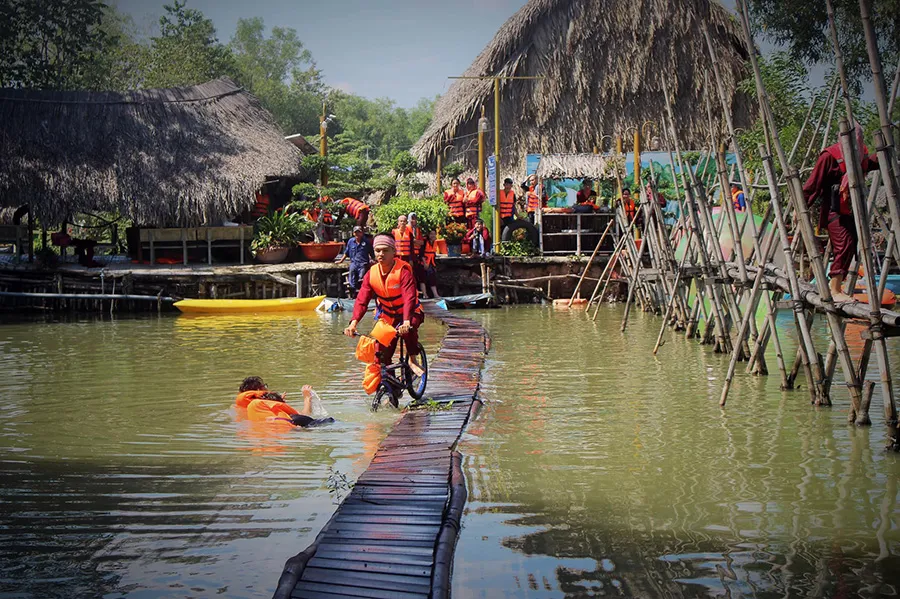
230, 306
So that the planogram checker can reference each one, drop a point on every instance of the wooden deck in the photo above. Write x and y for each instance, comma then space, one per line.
395, 533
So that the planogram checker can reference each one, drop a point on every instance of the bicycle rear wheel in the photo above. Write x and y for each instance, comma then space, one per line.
415, 385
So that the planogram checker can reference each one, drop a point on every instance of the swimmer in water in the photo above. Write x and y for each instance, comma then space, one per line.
264, 405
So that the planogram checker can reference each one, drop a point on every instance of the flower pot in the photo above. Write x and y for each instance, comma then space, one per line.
440, 246
321, 252
272, 255
453, 250
466, 248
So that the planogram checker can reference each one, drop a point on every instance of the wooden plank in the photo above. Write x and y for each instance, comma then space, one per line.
349, 591
404, 569
379, 552
368, 580
425, 561
378, 518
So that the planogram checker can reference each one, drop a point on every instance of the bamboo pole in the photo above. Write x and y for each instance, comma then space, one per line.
861, 216
590, 261
801, 212
659, 341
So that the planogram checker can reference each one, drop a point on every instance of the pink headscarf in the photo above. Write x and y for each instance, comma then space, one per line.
384, 240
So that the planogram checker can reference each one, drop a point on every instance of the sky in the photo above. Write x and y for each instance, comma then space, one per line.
399, 49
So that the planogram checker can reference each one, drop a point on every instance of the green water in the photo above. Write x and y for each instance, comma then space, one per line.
596, 469
126, 473
593, 470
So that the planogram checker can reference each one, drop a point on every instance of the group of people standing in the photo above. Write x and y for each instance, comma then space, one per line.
412, 246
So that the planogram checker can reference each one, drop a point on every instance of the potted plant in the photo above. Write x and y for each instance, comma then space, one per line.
276, 234
453, 234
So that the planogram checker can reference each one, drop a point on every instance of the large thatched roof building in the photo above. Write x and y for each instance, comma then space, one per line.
602, 62
182, 156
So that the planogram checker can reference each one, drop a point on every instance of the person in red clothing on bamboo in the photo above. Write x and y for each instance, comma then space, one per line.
455, 197
356, 209
264, 405
390, 282
827, 183
474, 200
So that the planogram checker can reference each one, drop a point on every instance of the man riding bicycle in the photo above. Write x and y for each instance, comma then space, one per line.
390, 281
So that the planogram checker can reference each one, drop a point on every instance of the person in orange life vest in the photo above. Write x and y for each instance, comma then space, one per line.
357, 210
262, 404
359, 250
403, 237
628, 205
480, 239
532, 200
418, 240
506, 201
474, 200
455, 197
429, 264
835, 215
390, 282
584, 199
737, 198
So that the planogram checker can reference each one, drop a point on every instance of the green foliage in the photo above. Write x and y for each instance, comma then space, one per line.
280, 230
338, 484
404, 163
187, 51
453, 170
523, 247
430, 405
802, 26
51, 44
307, 190
432, 213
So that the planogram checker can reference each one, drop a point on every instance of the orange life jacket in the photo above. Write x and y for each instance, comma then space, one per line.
629, 207
261, 208
430, 252
269, 409
387, 289
404, 242
532, 200
507, 203
456, 202
354, 206
244, 399
474, 199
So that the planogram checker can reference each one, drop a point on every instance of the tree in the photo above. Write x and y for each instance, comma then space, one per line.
280, 72
187, 51
50, 44
802, 26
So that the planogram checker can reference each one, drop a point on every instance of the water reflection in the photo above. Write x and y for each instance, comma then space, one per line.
596, 470
124, 468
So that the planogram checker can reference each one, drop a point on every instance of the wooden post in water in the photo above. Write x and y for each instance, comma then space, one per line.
801, 212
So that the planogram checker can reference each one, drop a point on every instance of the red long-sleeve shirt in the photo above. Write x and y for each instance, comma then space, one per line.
367, 294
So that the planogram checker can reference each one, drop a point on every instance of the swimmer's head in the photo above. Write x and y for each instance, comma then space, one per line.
253, 383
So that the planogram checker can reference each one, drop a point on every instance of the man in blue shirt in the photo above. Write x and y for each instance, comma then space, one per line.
359, 250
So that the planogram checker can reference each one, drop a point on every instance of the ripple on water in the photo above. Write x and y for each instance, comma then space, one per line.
126, 471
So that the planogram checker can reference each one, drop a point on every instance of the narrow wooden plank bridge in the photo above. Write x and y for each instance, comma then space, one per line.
395, 533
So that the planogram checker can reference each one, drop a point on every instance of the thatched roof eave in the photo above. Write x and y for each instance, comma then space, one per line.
184, 156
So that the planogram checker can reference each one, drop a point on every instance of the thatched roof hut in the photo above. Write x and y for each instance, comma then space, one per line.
602, 62
181, 156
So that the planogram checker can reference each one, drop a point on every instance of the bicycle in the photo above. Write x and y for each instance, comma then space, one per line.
392, 385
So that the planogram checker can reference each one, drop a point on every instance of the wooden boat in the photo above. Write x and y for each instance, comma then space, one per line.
234, 306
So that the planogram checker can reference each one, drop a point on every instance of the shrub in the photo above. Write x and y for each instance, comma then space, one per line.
306, 190
280, 230
404, 163
453, 170
431, 212
516, 248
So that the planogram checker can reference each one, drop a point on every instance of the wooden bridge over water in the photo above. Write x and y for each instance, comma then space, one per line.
395, 533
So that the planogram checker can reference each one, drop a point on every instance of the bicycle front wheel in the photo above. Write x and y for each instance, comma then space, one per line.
415, 384
379, 397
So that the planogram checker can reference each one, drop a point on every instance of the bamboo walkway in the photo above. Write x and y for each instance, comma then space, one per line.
395, 533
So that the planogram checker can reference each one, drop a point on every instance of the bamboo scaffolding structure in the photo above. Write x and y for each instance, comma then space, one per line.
590, 261
801, 212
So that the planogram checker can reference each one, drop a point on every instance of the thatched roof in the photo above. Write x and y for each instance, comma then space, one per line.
580, 166
602, 62
160, 156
